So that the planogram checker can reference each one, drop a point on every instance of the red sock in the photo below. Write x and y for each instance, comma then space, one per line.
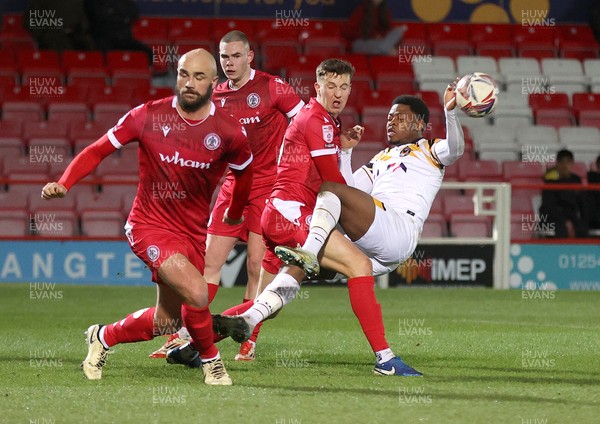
135, 327
254, 335
198, 322
368, 311
212, 292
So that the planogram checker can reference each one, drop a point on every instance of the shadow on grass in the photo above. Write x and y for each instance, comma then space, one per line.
491, 397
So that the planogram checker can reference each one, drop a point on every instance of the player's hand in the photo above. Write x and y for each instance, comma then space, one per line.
53, 190
450, 95
230, 221
351, 137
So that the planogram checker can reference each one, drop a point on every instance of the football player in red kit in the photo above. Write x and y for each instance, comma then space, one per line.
263, 103
185, 144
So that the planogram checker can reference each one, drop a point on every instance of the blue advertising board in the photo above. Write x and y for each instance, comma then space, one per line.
76, 262
555, 266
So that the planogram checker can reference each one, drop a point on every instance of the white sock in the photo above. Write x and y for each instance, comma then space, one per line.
184, 334
275, 296
325, 217
101, 337
384, 355
204, 361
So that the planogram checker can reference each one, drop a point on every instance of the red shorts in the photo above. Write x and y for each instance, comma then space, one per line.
154, 246
277, 230
252, 212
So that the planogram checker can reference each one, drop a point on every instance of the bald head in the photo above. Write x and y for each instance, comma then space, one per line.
196, 79
198, 60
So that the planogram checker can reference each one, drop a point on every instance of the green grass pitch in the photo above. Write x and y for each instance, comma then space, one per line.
488, 357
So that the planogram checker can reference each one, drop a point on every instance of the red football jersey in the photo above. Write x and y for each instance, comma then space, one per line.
181, 162
262, 106
313, 132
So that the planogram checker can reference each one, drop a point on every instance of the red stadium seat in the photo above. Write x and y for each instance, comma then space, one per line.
22, 111
110, 112
320, 28
97, 201
98, 95
481, 170
576, 42
522, 171
493, 40
102, 223
52, 150
12, 23
447, 31
11, 147
134, 61
71, 94
87, 130
589, 118
11, 201
85, 60
325, 46
361, 89
143, 95
14, 223
457, 204
579, 50
393, 70
11, 128
278, 54
435, 226
25, 166
380, 99
185, 29
68, 112
38, 59
585, 102
554, 117
469, 226
550, 101
39, 205
89, 79
130, 81
114, 165
452, 48
151, 30
55, 224
374, 120
415, 41
431, 98
44, 129
394, 86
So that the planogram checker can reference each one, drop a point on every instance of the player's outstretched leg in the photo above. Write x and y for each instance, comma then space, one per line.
96, 357
301, 258
395, 366
177, 339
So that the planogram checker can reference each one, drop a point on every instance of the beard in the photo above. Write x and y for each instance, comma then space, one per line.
194, 105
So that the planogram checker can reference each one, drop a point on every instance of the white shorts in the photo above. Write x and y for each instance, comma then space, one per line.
390, 240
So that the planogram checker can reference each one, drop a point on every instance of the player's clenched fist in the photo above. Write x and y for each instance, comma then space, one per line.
53, 190
351, 137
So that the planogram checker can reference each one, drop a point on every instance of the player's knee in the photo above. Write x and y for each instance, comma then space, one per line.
329, 186
360, 266
198, 298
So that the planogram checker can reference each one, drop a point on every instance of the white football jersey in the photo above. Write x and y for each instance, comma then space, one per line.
407, 178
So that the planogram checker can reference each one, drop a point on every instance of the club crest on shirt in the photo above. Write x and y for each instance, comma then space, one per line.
327, 133
253, 100
153, 252
212, 141
405, 152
